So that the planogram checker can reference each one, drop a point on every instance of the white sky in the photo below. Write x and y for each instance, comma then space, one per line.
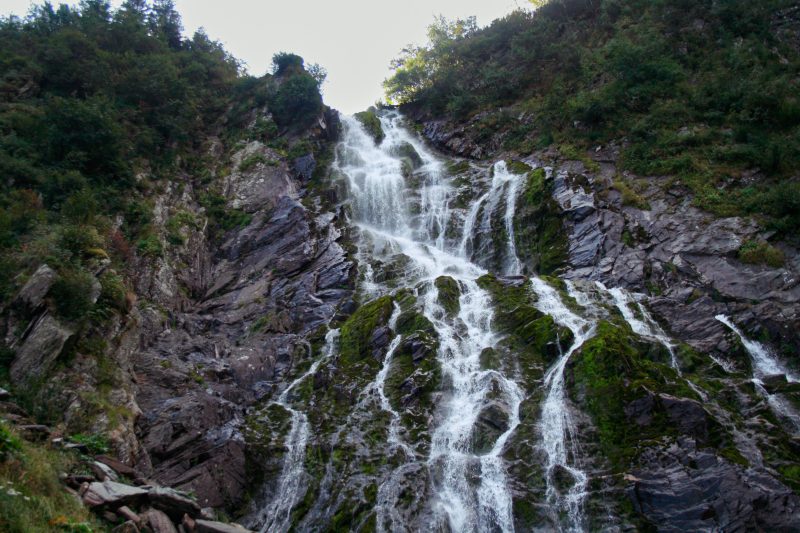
353, 39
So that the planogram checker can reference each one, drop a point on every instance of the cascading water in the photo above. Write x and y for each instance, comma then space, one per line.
643, 325
374, 175
557, 428
765, 364
276, 516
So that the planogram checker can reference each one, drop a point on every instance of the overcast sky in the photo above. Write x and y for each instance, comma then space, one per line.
353, 39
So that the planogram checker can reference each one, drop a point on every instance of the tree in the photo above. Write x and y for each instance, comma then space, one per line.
165, 22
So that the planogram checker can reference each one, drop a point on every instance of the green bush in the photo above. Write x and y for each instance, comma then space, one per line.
759, 252
297, 102
150, 246
71, 294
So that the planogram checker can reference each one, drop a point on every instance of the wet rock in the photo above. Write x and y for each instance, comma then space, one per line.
688, 415
775, 383
562, 479
492, 422
681, 488
4, 394
641, 410
304, 167
379, 341
39, 348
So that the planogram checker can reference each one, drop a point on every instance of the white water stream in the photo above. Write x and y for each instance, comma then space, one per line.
557, 428
291, 486
766, 364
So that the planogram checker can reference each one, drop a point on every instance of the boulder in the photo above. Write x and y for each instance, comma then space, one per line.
775, 383
39, 349
33, 292
158, 521
34, 432
209, 526
173, 502
103, 472
118, 466
112, 493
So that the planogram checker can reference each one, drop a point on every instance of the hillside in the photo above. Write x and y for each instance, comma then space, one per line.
556, 287
705, 92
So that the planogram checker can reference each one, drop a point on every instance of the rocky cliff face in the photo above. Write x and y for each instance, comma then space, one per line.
215, 323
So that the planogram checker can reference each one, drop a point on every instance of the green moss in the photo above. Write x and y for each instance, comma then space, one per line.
449, 293
517, 167
369, 119
758, 252
459, 167
613, 369
356, 332
541, 238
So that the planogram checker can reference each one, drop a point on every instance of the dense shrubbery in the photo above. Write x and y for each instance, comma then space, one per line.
702, 90
97, 106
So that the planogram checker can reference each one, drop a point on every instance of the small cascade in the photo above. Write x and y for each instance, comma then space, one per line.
513, 264
643, 325
389, 490
277, 515
765, 364
558, 431
504, 189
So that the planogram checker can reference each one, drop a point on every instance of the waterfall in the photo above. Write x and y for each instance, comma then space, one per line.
374, 178
276, 516
765, 364
557, 428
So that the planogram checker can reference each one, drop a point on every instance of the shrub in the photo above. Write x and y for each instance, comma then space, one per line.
284, 62
759, 252
150, 246
251, 161
297, 101
71, 294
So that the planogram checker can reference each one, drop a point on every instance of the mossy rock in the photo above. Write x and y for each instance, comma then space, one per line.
409, 155
517, 167
369, 119
610, 372
411, 321
356, 333
449, 294
458, 167
541, 238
